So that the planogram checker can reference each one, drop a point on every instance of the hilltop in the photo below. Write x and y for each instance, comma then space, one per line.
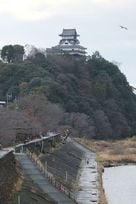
90, 96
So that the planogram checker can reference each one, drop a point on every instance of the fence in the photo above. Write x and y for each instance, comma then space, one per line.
43, 168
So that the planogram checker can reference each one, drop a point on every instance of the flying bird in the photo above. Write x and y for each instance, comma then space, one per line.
123, 27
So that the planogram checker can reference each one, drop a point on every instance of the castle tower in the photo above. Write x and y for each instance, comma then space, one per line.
69, 44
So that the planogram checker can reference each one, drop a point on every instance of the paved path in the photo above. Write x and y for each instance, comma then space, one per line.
31, 170
87, 185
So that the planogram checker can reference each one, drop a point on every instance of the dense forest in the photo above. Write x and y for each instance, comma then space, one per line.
88, 95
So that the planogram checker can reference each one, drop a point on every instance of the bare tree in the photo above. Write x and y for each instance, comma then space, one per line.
36, 106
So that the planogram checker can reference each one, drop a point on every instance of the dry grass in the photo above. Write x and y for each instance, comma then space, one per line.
113, 152
102, 197
18, 185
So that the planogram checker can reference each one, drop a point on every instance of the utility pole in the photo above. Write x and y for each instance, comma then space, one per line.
16, 103
66, 178
7, 100
8, 96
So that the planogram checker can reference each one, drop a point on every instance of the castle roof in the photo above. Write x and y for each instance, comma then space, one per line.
69, 32
70, 46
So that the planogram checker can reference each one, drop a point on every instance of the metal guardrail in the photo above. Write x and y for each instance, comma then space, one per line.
51, 135
50, 177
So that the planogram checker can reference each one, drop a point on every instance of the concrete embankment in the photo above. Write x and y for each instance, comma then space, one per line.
75, 164
87, 192
72, 167
42, 182
64, 163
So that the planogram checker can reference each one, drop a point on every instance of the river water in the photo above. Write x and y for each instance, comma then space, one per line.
120, 184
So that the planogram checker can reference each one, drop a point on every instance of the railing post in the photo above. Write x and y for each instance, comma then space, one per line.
66, 176
46, 166
18, 199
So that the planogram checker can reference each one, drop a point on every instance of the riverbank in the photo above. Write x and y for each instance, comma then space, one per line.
111, 153
102, 197
87, 192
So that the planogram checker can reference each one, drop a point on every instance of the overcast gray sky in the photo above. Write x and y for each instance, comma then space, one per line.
38, 22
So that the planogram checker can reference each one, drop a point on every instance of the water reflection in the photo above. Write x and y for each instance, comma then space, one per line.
120, 184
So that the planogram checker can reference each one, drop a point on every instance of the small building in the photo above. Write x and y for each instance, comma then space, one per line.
2, 104
69, 44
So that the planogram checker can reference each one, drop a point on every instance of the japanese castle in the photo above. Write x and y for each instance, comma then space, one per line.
69, 44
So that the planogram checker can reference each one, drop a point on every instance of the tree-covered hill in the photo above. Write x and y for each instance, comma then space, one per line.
96, 98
